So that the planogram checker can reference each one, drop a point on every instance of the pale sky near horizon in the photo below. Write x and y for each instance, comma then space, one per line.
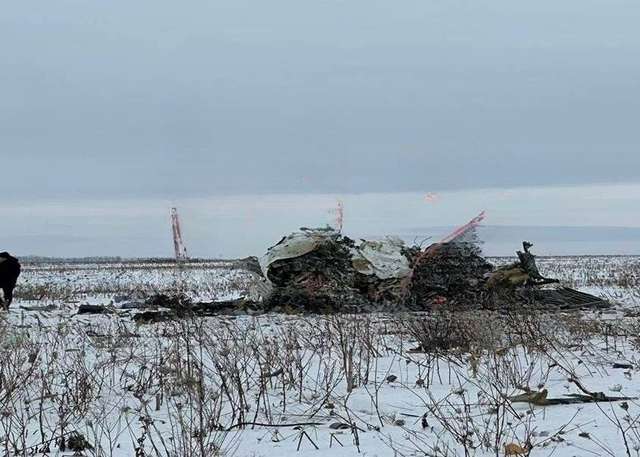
112, 111
242, 225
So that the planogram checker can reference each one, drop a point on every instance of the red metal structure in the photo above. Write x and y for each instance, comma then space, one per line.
458, 235
455, 236
462, 231
178, 244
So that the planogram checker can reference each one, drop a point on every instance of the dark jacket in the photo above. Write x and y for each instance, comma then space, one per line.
9, 272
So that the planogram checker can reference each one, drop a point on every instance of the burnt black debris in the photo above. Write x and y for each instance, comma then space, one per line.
565, 298
164, 307
321, 280
321, 271
93, 309
449, 275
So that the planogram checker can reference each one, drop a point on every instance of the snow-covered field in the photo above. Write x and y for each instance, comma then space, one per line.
73, 283
275, 385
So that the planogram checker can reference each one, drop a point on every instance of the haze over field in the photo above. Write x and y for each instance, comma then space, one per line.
561, 221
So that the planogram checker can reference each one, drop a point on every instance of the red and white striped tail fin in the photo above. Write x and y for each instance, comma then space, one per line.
460, 232
457, 235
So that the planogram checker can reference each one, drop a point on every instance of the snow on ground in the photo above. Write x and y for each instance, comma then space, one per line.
275, 385
205, 281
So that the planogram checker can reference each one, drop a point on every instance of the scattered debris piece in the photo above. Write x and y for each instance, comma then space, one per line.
74, 442
168, 307
541, 399
44, 308
514, 449
339, 426
93, 309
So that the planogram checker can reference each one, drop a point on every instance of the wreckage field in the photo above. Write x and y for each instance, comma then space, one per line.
66, 286
250, 382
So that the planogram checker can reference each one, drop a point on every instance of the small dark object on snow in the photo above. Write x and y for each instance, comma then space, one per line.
75, 441
541, 399
78, 443
339, 426
93, 309
278, 372
180, 306
152, 317
176, 302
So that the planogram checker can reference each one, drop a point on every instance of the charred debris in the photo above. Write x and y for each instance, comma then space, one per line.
321, 271
324, 271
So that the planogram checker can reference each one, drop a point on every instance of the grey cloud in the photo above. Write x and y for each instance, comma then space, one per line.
167, 99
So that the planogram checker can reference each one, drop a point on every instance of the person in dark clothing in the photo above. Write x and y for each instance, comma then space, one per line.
9, 272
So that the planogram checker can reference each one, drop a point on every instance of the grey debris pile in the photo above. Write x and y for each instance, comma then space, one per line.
323, 271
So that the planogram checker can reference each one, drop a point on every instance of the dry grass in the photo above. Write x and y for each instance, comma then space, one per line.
210, 378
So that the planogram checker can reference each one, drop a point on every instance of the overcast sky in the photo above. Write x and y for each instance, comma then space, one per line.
111, 110
153, 98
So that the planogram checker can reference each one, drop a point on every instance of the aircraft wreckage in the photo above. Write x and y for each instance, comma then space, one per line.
323, 271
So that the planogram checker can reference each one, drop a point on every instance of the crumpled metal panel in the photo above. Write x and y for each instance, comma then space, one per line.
295, 245
383, 259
